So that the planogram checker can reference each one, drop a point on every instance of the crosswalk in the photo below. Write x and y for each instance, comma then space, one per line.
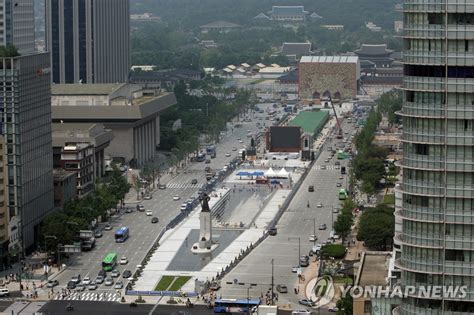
184, 185
327, 167
90, 296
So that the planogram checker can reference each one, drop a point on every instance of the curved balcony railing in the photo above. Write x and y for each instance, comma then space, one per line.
424, 31
425, 188
438, 58
420, 214
419, 265
419, 240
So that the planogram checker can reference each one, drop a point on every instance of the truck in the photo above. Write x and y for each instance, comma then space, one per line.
211, 150
343, 170
87, 240
267, 310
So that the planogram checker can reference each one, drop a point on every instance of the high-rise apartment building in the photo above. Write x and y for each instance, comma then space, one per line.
437, 211
17, 24
25, 107
88, 40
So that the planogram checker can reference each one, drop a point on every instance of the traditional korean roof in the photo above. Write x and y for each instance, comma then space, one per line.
287, 10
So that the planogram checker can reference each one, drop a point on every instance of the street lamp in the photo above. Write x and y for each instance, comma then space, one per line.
273, 284
299, 248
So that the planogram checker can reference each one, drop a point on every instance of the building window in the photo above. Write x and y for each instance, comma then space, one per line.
421, 149
367, 307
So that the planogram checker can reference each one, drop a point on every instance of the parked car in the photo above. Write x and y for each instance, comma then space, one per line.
154, 220
102, 273
92, 286
52, 283
140, 207
306, 302
282, 288
313, 238
108, 227
80, 287
118, 285
128, 210
98, 234
272, 231
126, 274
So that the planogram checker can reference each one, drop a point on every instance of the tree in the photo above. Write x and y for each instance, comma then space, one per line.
8, 51
343, 225
344, 305
137, 185
376, 227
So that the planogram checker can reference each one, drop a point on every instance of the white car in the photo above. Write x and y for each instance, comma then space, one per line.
319, 205
227, 154
123, 260
86, 281
313, 238
240, 141
92, 286
175, 198
148, 213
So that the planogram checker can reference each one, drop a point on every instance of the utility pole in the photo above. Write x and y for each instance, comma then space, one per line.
273, 283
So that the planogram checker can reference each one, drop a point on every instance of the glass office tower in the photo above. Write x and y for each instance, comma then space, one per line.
437, 237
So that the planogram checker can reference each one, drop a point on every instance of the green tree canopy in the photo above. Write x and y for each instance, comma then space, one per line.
376, 227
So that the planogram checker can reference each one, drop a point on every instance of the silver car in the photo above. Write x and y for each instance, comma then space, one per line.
109, 281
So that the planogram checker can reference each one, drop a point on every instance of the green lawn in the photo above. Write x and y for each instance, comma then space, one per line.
164, 283
389, 199
179, 282
343, 280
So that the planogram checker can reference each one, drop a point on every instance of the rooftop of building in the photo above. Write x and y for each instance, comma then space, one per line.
60, 175
164, 75
291, 76
261, 15
373, 269
220, 24
373, 50
287, 10
329, 59
93, 133
298, 49
310, 121
85, 89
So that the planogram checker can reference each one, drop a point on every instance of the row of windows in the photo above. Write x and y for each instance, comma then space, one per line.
438, 18
438, 45
436, 126
435, 179
438, 71
434, 98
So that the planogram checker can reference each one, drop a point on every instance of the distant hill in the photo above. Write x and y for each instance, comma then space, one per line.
190, 14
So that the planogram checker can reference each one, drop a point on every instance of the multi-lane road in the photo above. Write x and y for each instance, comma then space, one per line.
142, 231
295, 226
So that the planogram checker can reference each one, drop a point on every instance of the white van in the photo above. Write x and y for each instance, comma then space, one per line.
4, 292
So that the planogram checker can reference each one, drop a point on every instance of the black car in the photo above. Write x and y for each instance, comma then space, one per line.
71, 285
102, 273
194, 181
272, 231
126, 274
154, 220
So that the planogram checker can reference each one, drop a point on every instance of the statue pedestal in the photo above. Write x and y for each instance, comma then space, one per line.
197, 250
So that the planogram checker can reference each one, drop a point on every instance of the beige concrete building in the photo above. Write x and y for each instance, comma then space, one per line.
132, 113
328, 76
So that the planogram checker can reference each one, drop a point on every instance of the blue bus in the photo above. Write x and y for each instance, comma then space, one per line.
121, 234
211, 150
241, 306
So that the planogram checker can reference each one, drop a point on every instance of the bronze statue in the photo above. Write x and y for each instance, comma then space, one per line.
204, 199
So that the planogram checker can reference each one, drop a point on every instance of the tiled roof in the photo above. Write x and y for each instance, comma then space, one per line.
296, 49
287, 10
316, 16
373, 50
220, 24
329, 59
261, 16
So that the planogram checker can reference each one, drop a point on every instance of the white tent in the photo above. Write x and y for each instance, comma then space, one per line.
270, 173
282, 173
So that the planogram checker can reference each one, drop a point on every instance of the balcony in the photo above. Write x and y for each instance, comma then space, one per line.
459, 242
419, 240
414, 135
422, 188
415, 264
438, 58
435, 84
420, 214
418, 161
424, 31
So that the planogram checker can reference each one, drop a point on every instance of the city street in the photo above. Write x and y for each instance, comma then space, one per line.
296, 224
142, 231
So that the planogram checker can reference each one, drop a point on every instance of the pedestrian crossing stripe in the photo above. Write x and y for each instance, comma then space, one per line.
90, 296
328, 167
184, 185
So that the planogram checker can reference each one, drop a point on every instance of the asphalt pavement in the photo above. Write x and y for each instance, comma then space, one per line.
295, 226
142, 231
